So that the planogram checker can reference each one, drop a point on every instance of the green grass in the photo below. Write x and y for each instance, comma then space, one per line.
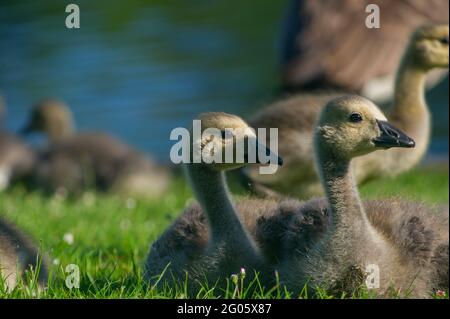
428, 184
111, 236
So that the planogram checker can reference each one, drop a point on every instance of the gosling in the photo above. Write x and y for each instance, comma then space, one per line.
74, 162
211, 240
403, 243
294, 117
286, 235
19, 255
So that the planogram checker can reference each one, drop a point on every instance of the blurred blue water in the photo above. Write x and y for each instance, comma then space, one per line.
139, 70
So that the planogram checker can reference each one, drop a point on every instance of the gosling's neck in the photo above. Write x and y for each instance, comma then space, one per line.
409, 111
59, 132
211, 191
347, 211
350, 229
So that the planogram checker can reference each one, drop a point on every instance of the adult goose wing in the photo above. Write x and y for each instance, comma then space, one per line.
326, 43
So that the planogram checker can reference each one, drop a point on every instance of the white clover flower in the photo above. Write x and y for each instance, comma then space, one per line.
68, 238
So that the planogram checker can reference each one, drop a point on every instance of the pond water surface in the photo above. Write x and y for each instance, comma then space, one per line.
141, 69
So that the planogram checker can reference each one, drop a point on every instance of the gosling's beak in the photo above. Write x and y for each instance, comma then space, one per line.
392, 137
264, 155
280, 161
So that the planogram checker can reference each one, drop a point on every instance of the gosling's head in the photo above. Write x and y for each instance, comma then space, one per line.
429, 47
52, 117
352, 126
225, 142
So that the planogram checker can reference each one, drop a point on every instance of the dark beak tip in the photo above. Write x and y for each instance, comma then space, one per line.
392, 137
280, 161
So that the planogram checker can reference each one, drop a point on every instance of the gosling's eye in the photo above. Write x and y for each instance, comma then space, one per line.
444, 40
355, 118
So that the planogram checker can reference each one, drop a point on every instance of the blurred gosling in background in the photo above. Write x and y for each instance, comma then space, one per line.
16, 157
75, 162
295, 117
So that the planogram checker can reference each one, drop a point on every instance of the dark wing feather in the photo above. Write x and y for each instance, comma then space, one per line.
326, 43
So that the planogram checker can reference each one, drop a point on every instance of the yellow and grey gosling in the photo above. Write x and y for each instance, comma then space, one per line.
403, 241
301, 240
295, 118
210, 240
18, 254
325, 44
75, 162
